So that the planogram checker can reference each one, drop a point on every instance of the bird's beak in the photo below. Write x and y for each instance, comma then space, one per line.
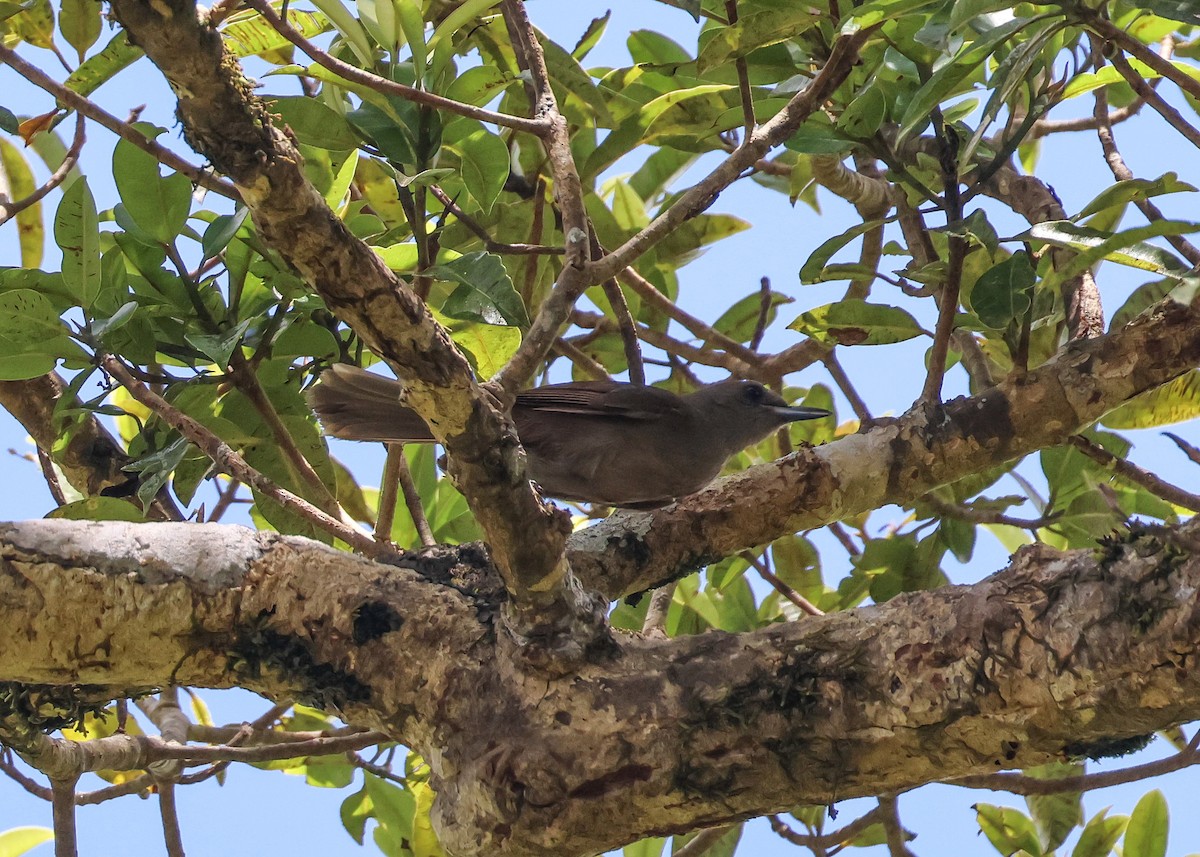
793, 414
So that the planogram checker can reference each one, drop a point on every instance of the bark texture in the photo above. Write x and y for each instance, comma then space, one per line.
1056, 654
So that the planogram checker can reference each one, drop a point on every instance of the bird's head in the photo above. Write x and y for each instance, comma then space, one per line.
745, 412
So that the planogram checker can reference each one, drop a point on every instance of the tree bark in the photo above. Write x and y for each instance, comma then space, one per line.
1057, 655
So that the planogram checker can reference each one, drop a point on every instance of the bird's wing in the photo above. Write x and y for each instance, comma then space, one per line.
599, 399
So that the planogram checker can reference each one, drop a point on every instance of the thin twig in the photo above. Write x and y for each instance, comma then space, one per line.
628, 330
63, 801
1128, 470
1022, 784
701, 330
412, 501
802, 603
1121, 172
896, 834
124, 130
225, 499
703, 841
247, 382
844, 384
947, 296
1163, 66
489, 243
825, 840
743, 76
172, 837
387, 87
843, 537
1145, 91
590, 367
231, 463
389, 489
8, 210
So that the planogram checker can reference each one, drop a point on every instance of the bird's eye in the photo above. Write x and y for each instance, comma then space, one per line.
754, 393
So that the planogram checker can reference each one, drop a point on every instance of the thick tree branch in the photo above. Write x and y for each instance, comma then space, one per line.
226, 122
893, 463
1060, 652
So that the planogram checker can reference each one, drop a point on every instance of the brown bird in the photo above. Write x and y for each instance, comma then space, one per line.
604, 442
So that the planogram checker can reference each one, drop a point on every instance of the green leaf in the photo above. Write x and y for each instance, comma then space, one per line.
877, 11
1004, 292
159, 206
486, 293
19, 840
651, 847
814, 267
155, 469
741, 320
79, 22
479, 85
1146, 835
856, 322
253, 36
77, 232
488, 346
757, 26
314, 123
1055, 815
100, 68
1100, 835
1134, 190
31, 233
951, 78
34, 23
1173, 402
1128, 247
97, 509
221, 231
350, 29
9, 123
1009, 830
484, 158
218, 347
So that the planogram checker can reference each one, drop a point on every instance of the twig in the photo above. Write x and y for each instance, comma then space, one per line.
947, 296
1121, 172
172, 837
1022, 784
802, 603
743, 76
576, 355
843, 537
490, 244
985, 516
231, 463
1135, 474
8, 210
248, 384
51, 476
388, 87
1135, 48
568, 190
124, 130
766, 136
63, 801
389, 488
650, 295
225, 498
844, 384
896, 835
703, 841
1166, 111
628, 330
825, 840
764, 313
412, 501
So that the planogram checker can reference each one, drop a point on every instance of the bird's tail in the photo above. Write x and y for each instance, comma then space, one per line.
358, 405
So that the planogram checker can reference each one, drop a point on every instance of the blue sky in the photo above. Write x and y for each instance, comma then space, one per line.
260, 812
